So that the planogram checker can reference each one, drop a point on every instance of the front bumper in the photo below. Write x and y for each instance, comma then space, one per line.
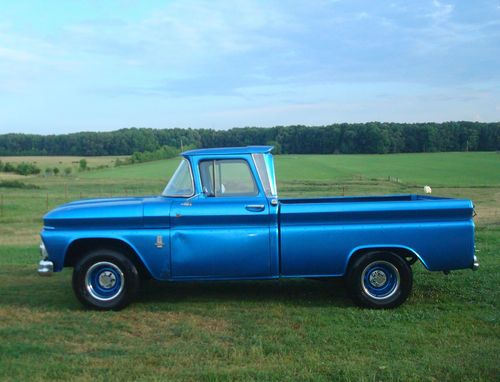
45, 266
475, 264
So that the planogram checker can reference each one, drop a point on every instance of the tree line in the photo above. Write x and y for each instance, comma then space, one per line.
344, 138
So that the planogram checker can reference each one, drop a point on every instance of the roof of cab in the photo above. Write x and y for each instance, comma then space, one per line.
229, 150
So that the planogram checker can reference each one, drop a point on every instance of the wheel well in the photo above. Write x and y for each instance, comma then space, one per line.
404, 253
80, 247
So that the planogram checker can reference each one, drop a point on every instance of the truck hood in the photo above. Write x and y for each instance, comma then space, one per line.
113, 213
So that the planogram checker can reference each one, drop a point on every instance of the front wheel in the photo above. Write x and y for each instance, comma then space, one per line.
380, 280
105, 280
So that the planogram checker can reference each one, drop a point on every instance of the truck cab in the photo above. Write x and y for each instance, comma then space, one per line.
224, 215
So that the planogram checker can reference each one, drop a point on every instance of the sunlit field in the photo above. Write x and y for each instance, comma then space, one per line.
282, 330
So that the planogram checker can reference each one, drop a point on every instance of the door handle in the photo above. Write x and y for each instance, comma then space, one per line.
255, 207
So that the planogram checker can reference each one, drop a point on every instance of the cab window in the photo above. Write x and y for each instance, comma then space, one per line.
181, 183
227, 177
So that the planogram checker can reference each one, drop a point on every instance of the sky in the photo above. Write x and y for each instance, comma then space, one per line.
93, 65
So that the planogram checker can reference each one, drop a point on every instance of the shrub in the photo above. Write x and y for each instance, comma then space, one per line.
21, 169
9, 167
83, 164
165, 152
17, 184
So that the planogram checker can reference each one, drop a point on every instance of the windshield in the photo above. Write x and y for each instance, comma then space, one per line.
181, 183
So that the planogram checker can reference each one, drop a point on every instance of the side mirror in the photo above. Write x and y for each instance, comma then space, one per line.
207, 193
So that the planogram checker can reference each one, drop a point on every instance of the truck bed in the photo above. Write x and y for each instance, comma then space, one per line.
319, 235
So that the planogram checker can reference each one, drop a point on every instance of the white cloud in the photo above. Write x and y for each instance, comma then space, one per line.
16, 55
184, 31
277, 58
440, 11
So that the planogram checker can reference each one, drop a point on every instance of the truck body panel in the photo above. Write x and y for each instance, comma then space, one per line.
318, 236
204, 235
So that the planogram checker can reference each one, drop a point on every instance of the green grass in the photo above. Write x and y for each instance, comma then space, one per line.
62, 161
289, 330
441, 169
162, 169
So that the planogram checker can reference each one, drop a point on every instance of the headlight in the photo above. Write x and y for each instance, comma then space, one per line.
43, 252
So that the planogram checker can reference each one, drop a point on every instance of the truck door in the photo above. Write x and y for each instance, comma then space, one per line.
225, 231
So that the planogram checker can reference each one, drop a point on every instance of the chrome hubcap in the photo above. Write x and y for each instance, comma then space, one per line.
104, 281
378, 278
107, 280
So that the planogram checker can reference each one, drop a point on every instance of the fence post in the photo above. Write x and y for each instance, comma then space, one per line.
1, 205
47, 202
65, 191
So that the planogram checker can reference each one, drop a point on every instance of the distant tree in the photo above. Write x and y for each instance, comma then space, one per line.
56, 170
22, 168
164, 152
48, 171
9, 167
67, 171
83, 164
371, 137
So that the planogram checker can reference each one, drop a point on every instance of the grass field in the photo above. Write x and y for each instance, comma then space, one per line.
288, 330
61, 162
442, 169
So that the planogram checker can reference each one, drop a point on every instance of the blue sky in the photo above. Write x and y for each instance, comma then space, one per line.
68, 66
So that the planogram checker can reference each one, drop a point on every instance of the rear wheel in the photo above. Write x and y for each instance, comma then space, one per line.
380, 280
105, 280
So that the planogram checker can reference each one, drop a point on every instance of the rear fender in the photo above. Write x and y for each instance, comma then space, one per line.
397, 248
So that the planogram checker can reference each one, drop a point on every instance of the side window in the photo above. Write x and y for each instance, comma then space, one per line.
181, 183
263, 175
229, 177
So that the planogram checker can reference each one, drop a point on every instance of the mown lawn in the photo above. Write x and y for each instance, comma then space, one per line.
441, 169
61, 162
288, 330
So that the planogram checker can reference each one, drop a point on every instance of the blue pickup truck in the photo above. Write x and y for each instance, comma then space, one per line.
220, 218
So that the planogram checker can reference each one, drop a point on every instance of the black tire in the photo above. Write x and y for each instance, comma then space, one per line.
105, 280
379, 280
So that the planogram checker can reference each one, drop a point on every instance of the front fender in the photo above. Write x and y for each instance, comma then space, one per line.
155, 258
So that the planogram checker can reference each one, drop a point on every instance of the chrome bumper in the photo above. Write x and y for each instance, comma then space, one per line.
475, 264
45, 266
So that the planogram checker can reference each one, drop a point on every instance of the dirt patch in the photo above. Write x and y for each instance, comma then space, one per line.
10, 316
